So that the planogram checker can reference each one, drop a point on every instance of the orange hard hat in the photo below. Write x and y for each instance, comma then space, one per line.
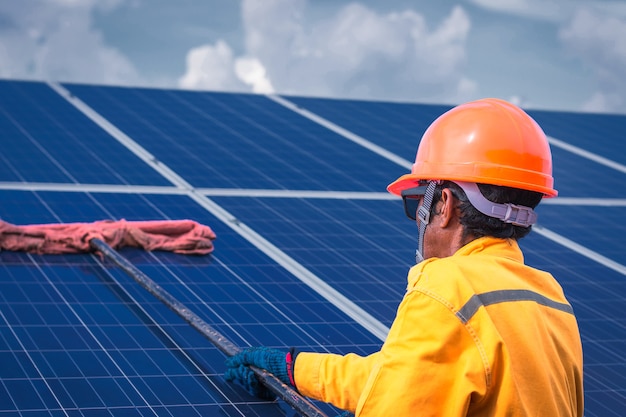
488, 141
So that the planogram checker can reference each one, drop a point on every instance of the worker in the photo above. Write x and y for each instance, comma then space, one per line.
478, 332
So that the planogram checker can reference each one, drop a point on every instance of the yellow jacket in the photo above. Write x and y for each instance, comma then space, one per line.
477, 334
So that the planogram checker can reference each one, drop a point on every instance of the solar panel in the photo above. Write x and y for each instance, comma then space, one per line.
311, 252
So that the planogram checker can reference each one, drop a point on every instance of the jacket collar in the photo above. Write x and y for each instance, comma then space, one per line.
506, 248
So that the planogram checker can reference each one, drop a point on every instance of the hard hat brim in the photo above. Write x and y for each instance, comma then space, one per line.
411, 180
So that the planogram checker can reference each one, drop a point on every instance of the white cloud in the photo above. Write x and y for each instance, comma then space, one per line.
286, 47
593, 32
357, 53
599, 41
210, 67
252, 72
55, 40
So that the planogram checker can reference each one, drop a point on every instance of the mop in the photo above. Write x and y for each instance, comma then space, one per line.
178, 236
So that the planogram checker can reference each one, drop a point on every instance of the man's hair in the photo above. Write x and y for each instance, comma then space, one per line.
478, 224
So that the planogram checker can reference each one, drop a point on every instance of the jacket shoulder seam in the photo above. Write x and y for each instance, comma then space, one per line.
477, 342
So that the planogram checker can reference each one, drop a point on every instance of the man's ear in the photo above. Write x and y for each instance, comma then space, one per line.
448, 207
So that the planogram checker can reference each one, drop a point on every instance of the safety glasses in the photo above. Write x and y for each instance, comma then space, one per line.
411, 198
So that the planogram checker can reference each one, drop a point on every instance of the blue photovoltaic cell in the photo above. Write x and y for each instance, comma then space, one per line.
397, 127
598, 228
575, 176
79, 337
238, 141
45, 139
81, 328
602, 134
362, 248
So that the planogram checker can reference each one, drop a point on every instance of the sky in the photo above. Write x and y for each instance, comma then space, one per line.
564, 55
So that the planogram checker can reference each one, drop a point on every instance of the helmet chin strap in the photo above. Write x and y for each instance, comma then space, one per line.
423, 215
508, 213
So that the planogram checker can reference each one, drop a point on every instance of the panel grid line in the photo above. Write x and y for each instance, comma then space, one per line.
90, 332
266, 193
163, 332
34, 364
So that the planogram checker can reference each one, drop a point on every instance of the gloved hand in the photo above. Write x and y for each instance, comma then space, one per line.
345, 414
276, 362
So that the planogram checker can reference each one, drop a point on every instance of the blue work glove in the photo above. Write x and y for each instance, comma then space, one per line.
345, 414
278, 363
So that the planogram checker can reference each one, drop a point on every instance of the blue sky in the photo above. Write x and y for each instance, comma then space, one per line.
542, 54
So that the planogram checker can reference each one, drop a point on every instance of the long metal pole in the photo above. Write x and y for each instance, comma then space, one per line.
282, 390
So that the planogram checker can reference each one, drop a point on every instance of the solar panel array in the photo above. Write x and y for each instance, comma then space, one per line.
311, 251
